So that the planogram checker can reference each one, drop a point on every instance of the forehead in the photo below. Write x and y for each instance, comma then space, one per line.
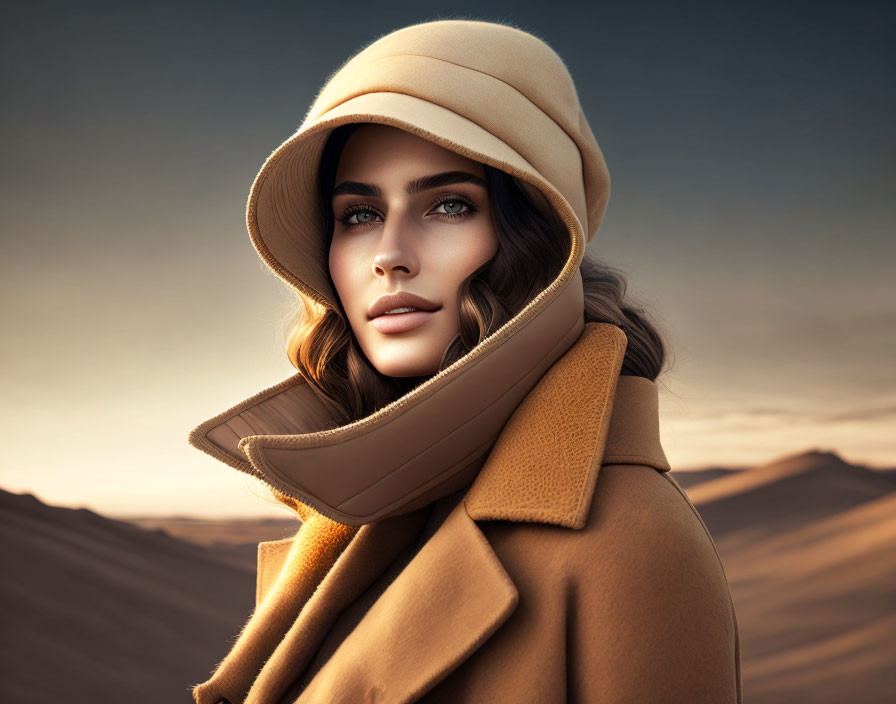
377, 151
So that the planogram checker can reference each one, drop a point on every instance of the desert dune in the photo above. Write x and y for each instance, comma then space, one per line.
100, 609
809, 547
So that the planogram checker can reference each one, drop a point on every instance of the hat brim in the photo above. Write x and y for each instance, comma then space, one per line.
284, 212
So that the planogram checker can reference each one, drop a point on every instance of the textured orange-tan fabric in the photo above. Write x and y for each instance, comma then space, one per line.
324, 568
546, 451
319, 543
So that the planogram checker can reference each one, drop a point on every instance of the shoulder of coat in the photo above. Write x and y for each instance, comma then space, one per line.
640, 527
643, 577
641, 517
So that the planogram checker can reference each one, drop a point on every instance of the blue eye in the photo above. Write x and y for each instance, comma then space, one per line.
456, 207
456, 202
361, 211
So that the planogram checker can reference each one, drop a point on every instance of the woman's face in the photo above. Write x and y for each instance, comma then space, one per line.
410, 217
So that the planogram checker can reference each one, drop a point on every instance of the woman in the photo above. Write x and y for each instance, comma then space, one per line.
486, 513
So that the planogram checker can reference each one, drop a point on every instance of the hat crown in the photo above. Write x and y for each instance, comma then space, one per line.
515, 57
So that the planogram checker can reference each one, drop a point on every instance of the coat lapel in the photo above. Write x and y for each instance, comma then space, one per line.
455, 593
446, 603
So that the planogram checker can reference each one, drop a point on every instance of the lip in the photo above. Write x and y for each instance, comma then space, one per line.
401, 299
401, 322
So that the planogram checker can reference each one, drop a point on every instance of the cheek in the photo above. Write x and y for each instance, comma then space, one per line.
452, 263
346, 260
473, 250
343, 270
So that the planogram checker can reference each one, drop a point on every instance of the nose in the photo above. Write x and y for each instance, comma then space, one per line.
395, 254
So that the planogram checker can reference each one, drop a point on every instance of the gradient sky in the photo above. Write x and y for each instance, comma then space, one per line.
753, 164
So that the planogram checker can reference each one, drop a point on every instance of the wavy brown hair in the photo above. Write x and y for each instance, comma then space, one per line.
323, 348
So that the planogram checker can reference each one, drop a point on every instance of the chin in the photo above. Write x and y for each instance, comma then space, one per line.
406, 370
405, 361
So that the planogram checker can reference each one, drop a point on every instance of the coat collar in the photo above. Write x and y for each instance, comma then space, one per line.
428, 443
580, 416
543, 466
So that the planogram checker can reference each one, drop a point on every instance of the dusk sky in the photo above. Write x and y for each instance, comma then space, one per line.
753, 163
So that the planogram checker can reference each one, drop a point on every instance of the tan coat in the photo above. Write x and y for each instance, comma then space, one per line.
564, 575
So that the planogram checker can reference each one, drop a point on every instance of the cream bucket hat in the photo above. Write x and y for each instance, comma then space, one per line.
495, 94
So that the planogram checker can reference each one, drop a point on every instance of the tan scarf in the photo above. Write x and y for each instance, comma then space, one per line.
329, 564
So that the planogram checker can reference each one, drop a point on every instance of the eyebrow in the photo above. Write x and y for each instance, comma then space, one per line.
424, 183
